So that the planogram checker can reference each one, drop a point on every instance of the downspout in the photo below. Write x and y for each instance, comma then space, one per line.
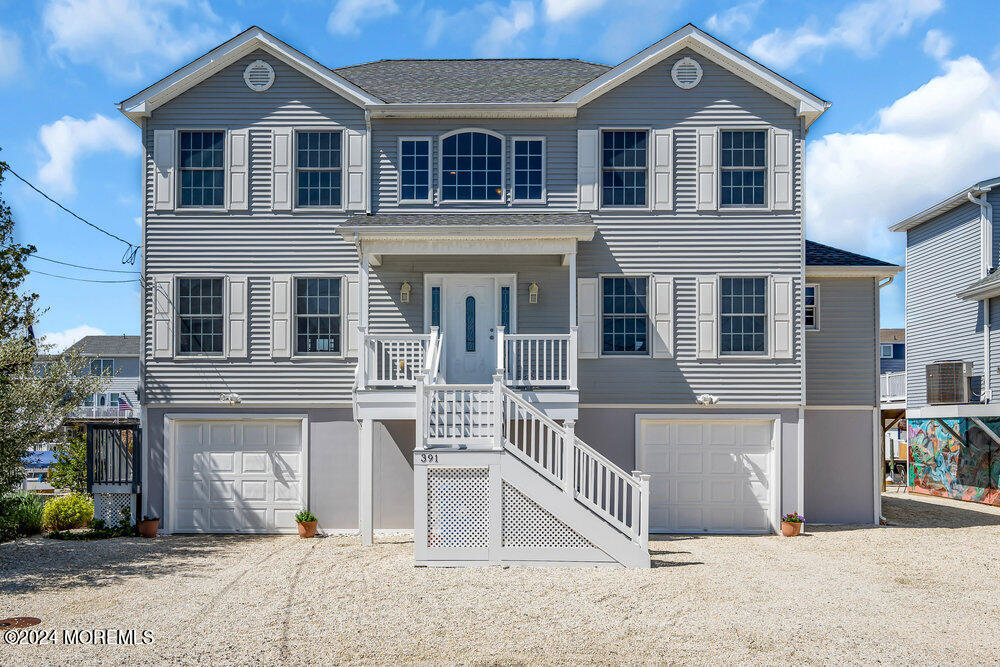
985, 269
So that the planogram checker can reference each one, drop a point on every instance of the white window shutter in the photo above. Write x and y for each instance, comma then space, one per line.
781, 170
281, 173
663, 162
281, 316
239, 170
707, 297
587, 168
708, 169
163, 316
163, 170
663, 316
587, 311
352, 311
356, 190
782, 329
237, 320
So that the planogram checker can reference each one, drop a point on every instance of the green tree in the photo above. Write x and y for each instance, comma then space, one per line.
69, 470
37, 390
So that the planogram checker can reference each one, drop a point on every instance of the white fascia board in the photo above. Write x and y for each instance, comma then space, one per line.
583, 232
954, 411
823, 271
474, 110
945, 205
980, 293
805, 103
146, 101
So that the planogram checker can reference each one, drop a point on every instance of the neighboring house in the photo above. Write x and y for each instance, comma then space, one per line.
951, 347
118, 358
892, 351
532, 309
36, 470
892, 384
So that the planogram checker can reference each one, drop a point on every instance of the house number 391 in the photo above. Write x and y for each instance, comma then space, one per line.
428, 458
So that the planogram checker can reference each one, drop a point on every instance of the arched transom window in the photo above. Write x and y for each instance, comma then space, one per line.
471, 167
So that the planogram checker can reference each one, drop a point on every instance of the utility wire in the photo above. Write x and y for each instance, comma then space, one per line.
80, 266
85, 280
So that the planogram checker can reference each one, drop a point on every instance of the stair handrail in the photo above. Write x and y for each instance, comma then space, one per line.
432, 358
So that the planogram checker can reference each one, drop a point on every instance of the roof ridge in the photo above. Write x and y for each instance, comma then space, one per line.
463, 60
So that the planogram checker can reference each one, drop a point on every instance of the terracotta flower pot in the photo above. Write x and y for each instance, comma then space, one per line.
790, 529
307, 528
149, 527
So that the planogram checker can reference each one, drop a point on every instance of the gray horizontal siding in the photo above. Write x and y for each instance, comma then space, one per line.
942, 257
840, 357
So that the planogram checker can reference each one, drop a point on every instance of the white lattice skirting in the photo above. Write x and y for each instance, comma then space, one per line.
458, 502
108, 507
528, 524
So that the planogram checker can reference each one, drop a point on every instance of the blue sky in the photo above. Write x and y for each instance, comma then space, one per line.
914, 86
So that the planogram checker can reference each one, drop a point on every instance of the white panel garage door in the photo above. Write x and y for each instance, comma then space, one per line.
237, 476
708, 476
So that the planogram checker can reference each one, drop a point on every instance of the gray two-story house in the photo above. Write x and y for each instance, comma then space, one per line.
533, 309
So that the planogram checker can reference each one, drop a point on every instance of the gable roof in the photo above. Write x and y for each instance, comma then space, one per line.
945, 205
818, 254
106, 346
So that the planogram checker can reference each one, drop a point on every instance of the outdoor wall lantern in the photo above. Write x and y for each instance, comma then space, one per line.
533, 293
404, 293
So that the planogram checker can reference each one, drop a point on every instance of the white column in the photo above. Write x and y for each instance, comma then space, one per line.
363, 291
366, 480
572, 289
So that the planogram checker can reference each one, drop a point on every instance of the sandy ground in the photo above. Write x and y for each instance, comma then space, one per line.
926, 588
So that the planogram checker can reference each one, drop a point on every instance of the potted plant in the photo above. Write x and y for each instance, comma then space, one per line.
307, 523
149, 525
792, 524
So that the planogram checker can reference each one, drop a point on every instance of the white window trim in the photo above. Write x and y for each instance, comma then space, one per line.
294, 354
513, 161
430, 170
441, 201
295, 169
881, 351
178, 355
768, 352
103, 361
601, 206
815, 307
768, 160
601, 354
225, 170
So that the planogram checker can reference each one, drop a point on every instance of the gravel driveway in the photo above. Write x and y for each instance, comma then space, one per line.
924, 589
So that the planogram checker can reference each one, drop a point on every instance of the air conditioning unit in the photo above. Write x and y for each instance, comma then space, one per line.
948, 382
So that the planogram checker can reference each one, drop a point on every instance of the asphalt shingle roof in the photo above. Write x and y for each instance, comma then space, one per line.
407, 219
990, 281
472, 81
818, 254
107, 346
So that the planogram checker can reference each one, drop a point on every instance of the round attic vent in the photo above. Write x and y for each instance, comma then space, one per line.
259, 76
686, 73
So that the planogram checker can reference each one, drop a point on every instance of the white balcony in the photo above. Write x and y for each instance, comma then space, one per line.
892, 387
103, 412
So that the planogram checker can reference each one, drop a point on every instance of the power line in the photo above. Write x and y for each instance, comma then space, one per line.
85, 280
80, 266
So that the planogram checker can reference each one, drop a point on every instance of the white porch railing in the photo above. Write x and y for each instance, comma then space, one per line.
893, 386
103, 412
456, 414
394, 360
537, 360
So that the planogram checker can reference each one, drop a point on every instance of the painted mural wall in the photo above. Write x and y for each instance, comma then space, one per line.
941, 465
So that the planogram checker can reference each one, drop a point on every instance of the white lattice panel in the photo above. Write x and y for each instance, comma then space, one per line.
108, 507
527, 524
458, 504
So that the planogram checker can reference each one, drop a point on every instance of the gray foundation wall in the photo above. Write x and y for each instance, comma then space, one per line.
839, 466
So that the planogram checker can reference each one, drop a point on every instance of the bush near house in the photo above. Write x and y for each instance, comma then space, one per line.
69, 471
73, 511
20, 515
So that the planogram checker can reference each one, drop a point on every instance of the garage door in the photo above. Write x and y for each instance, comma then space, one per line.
708, 476
237, 476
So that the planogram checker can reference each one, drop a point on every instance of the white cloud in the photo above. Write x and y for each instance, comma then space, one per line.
928, 144
735, 20
63, 339
10, 55
862, 28
505, 27
937, 44
347, 14
122, 37
68, 139
560, 10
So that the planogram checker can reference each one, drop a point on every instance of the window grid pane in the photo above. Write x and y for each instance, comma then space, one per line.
743, 167
623, 318
199, 310
317, 169
415, 170
811, 307
528, 169
743, 315
471, 167
317, 316
202, 167
623, 168
435, 306
505, 308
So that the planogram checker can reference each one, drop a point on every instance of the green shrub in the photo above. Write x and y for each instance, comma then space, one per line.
305, 515
72, 511
20, 515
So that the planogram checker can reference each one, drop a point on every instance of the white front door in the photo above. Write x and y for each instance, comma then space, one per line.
470, 329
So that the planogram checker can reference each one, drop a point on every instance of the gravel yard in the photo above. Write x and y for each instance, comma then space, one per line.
926, 588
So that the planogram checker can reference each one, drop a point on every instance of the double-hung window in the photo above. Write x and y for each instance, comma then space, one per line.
202, 168
529, 171
624, 316
318, 169
743, 168
471, 167
317, 316
812, 307
623, 168
743, 316
199, 315
102, 367
415, 170
886, 350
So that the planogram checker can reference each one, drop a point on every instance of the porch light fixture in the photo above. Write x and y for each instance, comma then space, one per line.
404, 293
533, 293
